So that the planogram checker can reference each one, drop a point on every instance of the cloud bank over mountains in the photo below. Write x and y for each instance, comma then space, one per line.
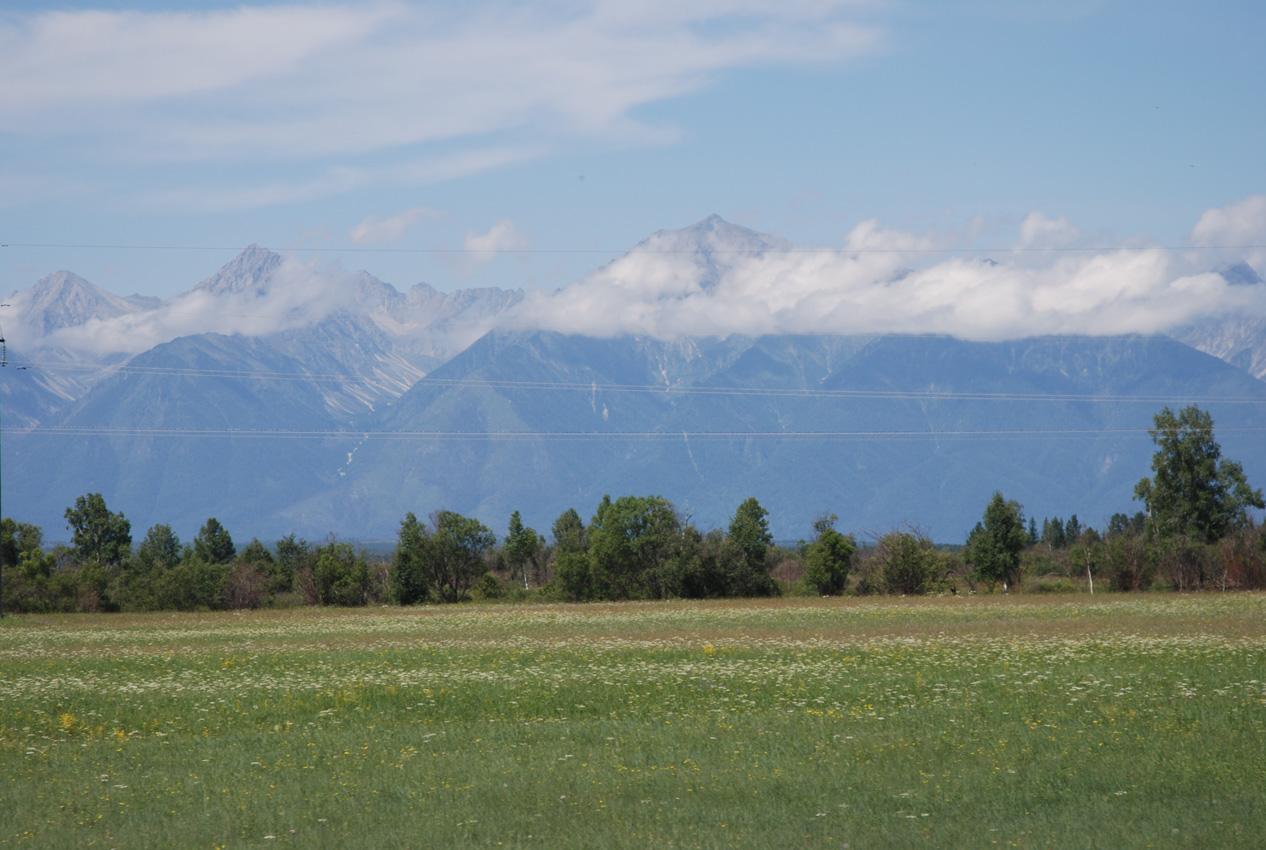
893, 281
716, 278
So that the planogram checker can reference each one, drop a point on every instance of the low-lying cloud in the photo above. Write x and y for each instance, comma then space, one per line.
719, 279
297, 294
891, 281
483, 248
1235, 232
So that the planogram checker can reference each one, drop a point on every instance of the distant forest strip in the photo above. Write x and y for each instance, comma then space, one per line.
1196, 533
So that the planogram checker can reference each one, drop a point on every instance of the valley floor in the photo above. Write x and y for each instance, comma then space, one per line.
1115, 721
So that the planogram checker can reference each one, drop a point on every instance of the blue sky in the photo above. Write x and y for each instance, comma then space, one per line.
539, 132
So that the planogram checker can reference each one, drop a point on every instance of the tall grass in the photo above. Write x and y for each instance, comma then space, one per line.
943, 723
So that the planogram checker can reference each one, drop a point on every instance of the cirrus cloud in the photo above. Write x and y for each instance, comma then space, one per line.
376, 231
353, 95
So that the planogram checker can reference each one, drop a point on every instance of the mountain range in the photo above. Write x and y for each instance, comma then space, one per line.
319, 405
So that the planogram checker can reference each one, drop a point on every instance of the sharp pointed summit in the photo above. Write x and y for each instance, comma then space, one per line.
65, 300
249, 271
715, 246
1241, 274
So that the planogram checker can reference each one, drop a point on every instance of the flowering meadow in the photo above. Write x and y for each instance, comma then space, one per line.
951, 722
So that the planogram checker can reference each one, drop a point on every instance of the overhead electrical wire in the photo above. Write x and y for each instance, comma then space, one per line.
326, 249
655, 436
661, 389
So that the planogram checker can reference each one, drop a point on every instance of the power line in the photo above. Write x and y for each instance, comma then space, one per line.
635, 250
655, 436
657, 389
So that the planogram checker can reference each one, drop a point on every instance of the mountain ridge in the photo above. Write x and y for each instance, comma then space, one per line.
375, 402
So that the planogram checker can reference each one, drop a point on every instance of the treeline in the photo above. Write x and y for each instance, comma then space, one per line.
1196, 533
633, 547
102, 571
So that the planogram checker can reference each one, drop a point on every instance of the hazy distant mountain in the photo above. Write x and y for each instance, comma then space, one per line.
153, 439
362, 339
65, 300
713, 245
338, 403
879, 430
250, 271
30, 396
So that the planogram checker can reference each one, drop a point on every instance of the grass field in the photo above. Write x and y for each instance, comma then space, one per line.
979, 722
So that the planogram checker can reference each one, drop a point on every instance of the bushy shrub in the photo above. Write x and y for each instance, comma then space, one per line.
1131, 562
488, 586
246, 586
828, 558
1053, 584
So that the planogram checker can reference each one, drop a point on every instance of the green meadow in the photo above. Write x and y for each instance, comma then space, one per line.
1109, 721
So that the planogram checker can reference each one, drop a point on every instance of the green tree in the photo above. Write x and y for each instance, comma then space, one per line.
144, 584
8, 543
522, 547
829, 557
749, 530
1121, 524
573, 576
1053, 533
569, 533
214, 544
631, 542
340, 575
456, 554
749, 533
159, 549
198, 584
409, 565
1193, 490
1072, 530
102, 538
256, 553
994, 547
294, 555
909, 562
31, 583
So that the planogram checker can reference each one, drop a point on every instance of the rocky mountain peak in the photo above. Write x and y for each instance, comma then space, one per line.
249, 271
713, 245
65, 300
1241, 274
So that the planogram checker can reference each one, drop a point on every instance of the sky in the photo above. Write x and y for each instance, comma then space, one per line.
1107, 155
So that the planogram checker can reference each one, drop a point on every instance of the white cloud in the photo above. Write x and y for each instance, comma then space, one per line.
350, 86
1038, 231
1231, 228
375, 231
78, 59
889, 281
297, 294
483, 248
879, 281
223, 197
